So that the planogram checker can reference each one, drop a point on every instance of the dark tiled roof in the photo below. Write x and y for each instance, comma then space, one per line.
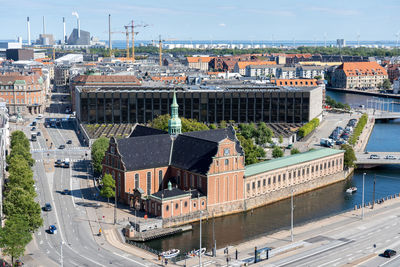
140, 130
217, 136
196, 193
174, 192
193, 154
145, 151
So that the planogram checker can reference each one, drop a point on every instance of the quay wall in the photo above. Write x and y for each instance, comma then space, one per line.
259, 201
359, 92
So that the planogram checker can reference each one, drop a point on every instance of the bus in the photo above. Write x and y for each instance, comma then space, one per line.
33, 137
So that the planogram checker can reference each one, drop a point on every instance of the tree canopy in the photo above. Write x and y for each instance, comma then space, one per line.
188, 125
14, 237
277, 152
294, 151
99, 148
108, 186
349, 156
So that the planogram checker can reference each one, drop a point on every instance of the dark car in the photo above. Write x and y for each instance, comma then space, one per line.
61, 147
65, 192
389, 253
59, 163
47, 207
38, 134
69, 142
52, 229
33, 128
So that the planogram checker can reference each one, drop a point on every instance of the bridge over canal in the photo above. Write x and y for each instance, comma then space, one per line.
365, 161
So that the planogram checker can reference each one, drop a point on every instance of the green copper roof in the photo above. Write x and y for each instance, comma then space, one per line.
19, 82
283, 162
174, 103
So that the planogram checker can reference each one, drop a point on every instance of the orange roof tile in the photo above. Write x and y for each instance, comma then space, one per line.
199, 59
295, 82
362, 69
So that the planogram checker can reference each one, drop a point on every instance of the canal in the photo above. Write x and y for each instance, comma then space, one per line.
327, 201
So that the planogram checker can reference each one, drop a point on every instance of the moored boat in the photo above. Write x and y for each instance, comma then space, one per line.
172, 253
351, 190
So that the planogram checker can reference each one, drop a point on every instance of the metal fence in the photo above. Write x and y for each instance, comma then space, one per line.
144, 246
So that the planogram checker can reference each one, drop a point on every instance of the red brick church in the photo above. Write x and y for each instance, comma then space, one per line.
175, 174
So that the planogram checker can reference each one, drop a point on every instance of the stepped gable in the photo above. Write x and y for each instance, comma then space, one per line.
140, 130
193, 154
145, 152
217, 136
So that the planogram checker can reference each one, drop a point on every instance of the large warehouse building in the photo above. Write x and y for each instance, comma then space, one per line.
241, 103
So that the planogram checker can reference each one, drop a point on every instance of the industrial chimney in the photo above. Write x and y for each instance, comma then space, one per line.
44, 26
29, 30
63, 37
78, 23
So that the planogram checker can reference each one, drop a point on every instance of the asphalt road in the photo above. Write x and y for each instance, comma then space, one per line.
76, 236
350, 244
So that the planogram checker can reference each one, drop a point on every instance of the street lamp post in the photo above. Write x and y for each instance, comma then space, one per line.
362, 208
200, 242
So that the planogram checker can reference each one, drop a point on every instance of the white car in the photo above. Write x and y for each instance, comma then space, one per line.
40, 116
390, 157
373, 156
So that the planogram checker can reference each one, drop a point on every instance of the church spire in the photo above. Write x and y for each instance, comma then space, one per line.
174, 124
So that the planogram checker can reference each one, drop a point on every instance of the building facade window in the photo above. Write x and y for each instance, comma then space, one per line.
148, 183
259, 184
160, 178
136, 181
226, 162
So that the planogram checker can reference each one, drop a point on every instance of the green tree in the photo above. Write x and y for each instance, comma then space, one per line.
108, 187
318, 77
18, 137
349, 156
213, 126
294, 151
280, 139
386, 84
99, 148
161, 122
223, 124
277, 152
264, 134
252, 152
20, 149
188, 125
19, 202
20, 175
14, 237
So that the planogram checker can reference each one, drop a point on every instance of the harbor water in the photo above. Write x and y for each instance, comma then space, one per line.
320, 203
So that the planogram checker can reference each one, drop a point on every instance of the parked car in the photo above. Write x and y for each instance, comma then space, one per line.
65, 192
69, 142
374, 156
61, 147
390, 157
33, 128
389, 253
340, 142
47, 207
38, 134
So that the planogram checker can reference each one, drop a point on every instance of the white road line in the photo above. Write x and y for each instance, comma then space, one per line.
141, 264
358, 251
327, 263
348, 255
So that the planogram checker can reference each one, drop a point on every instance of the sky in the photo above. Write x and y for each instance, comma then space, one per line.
208, 19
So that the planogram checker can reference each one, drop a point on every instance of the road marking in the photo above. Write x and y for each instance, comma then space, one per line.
369, 233
358, 251
39, 233
141, 264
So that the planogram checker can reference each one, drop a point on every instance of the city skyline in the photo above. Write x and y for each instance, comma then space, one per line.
206, 21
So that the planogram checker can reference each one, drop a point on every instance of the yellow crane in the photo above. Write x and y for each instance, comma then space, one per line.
160, 42
132, 27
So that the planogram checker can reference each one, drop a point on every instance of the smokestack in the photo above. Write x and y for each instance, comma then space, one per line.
79, 28
109, 33
64, 37
44, 26
28, 25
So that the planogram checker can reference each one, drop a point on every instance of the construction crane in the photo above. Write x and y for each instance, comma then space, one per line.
160, 42
132, 27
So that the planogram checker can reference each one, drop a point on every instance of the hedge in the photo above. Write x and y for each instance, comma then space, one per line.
359, 128
308, 127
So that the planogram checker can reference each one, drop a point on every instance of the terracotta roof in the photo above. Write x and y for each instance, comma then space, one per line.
362, 69
295, 82
243, 64
11, 77
169, 78
106, 79
198, 59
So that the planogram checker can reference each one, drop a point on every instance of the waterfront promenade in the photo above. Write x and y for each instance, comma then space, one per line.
335, 241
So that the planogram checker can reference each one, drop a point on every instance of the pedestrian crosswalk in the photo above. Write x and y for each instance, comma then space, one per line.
46, 160
77, 148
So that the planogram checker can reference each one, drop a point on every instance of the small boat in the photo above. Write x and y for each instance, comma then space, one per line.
172, 253
351, 190
194, 253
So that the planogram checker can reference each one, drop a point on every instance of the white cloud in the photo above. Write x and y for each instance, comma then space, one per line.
334, 11
222, 25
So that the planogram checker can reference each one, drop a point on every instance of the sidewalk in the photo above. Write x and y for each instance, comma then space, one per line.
281, 244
